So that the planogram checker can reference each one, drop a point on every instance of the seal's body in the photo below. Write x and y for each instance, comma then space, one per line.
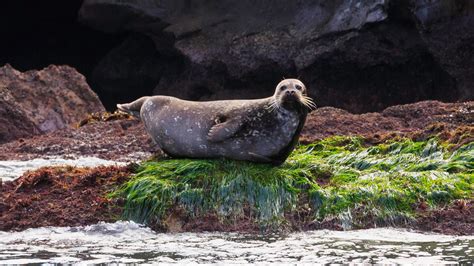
261, 130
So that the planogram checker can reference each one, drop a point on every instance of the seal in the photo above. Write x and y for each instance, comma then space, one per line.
260, 130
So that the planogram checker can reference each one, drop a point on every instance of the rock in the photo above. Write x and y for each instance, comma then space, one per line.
14, 123
447, 27
357, 55
133, 69
43, 101
419, 120
242, 35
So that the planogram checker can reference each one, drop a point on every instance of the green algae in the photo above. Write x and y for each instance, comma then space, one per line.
336, 179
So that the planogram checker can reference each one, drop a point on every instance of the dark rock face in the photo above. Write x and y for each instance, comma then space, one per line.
447, 27
43, 101
131, 70
359, 55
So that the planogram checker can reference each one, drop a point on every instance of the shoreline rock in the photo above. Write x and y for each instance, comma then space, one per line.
42, 101
72, 196
117, 139
125, 138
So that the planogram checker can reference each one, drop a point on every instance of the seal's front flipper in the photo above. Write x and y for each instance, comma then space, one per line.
132, 108
224, 130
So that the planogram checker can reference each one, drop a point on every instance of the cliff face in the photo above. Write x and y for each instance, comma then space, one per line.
358, 55
447, 28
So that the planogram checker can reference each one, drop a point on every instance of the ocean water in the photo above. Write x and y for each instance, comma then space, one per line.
131, 243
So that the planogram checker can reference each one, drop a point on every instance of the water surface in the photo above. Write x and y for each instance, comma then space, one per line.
127, 242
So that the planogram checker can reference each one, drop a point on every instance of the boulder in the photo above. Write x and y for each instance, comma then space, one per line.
36, 102
14, 123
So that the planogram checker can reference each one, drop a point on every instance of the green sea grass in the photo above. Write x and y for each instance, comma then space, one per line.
337, 178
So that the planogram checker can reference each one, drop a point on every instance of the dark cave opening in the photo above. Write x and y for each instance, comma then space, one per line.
36, 34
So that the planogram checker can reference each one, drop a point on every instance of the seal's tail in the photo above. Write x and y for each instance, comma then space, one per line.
132, 108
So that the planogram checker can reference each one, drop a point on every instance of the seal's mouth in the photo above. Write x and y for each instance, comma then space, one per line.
291, 97
297, 98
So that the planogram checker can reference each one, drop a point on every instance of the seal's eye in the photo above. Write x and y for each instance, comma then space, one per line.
282, 88
298, 87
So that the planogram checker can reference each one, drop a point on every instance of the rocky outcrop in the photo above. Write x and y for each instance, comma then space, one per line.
126, 139
14, 123
358, 55
449, 121
66, 196
43, 101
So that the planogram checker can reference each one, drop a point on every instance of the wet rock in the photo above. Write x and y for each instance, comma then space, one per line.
106, 139
36, 102
61, 196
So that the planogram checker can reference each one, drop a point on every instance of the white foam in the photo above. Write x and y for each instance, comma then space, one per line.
10, 170
128, 242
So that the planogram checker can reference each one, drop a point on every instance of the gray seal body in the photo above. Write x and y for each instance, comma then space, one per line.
261, 130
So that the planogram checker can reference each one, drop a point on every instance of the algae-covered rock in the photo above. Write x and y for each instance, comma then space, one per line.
337, 182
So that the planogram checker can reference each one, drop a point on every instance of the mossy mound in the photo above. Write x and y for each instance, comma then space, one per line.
337, 179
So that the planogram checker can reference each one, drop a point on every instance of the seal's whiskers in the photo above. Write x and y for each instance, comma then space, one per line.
273, 105
308, 102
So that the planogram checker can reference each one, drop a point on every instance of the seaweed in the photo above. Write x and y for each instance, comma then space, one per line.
338, 178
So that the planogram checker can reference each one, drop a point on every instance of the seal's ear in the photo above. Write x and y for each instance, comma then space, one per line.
222, 131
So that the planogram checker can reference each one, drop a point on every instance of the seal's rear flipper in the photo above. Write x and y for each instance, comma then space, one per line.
132, 108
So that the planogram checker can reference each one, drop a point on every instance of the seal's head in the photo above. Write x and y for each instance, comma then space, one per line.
291, 94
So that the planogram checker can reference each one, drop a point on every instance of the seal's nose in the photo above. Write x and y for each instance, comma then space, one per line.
290, 92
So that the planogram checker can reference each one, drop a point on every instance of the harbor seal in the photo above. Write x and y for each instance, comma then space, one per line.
260, 130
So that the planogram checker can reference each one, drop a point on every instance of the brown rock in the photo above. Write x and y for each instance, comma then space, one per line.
427, 118
36, 102
13, 121
61, 196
